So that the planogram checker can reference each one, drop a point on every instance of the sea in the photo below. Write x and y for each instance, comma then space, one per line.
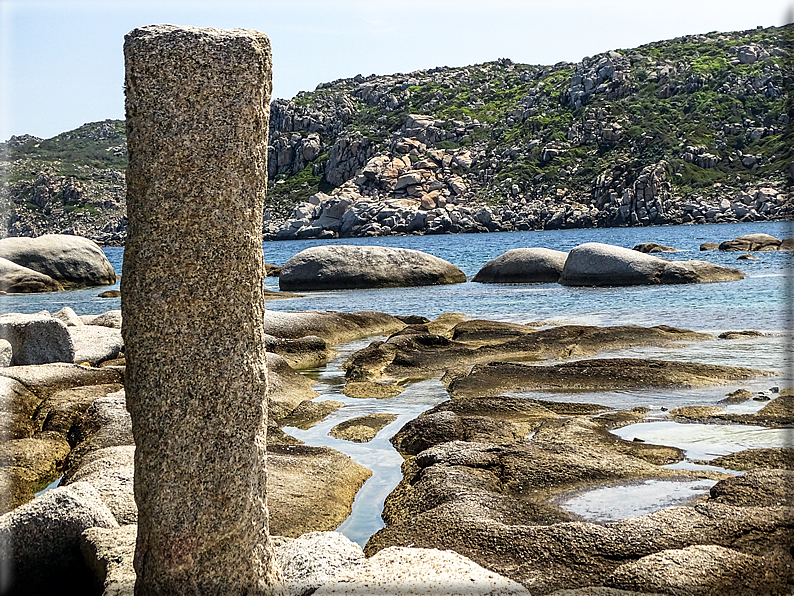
762, 301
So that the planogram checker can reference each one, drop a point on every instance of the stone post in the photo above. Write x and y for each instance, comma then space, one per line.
192, 301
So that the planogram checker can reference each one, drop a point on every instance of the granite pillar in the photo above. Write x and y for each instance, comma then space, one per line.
197, 104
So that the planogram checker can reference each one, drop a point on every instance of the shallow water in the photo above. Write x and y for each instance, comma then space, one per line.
762, 301
632, 499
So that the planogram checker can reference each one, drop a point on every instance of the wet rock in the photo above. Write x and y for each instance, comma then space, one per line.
423, 355
740, 334
314, 559
60, 411
652, 247
751, 242
703, 570
759, 488
596, 264
695, 412
419, 572
309, 412
17, 408
286, 389
709, 246
333, 327
594, 375
36, 339
29, 465
42, 541
310, 489
109, 294
781, 458
523, 265
371, 390
109, 552
362, 429
70, 260
737, 397
747, 257
349, 267
305, 352
779, 412
15, 279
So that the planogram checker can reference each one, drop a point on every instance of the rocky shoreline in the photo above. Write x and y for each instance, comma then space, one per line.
483, 476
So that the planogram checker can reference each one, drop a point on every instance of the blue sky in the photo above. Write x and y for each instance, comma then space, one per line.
61, 62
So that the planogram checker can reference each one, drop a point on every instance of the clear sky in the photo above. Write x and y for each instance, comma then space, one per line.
61, 61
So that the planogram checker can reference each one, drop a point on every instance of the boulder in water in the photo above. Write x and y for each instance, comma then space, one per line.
523, 265
335, 267
597, 264
70, 260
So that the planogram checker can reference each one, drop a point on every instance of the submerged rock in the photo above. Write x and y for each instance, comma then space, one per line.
362, 429
652, 247
334, 267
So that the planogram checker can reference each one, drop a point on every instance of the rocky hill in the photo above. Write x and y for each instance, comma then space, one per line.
694, 129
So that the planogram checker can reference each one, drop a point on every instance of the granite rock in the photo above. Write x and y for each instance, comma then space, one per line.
523, 265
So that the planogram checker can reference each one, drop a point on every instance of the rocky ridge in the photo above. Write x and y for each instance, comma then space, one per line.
689, 130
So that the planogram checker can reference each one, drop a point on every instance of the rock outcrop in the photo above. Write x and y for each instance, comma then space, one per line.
337, 266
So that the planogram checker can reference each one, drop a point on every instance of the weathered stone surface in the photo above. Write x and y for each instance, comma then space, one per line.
333, 327
308, 413
595, 375
60, 411
41, 541
111, 318
106, 423
286, 388
305, 352
314, 559
197, 118
703, 570
46, 379
339, 266
16, 279
753, 459
362, 429
110, 471
68, 317
779, 412
419, 572
109, 552
413, 355
95, 344
29, 465
70, 260
6, 353
17, 407
524, 265
751, 242
371, 390
596, 264
36, 339
759, 488
310, 489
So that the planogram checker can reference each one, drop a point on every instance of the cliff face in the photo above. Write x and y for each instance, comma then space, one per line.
693, 129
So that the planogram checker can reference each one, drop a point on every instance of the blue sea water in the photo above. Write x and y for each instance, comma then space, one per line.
761, 301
